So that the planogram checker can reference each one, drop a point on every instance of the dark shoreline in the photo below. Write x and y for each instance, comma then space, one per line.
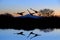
10, 22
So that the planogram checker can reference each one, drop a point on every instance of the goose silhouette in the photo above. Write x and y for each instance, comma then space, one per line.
38, 12
21, 13
30, 12
34, 10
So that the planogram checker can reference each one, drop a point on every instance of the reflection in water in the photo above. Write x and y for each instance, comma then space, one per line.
35, 36
30, 34
21, 33
10, 34
47, 30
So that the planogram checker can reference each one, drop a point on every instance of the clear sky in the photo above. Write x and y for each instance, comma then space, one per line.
20, 5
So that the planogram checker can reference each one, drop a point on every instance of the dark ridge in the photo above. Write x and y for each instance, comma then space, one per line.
7, 21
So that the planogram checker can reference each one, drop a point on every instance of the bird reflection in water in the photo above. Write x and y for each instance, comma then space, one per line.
21, 33
35, 36
31, 33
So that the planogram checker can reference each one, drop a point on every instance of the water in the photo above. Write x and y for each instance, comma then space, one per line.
11, 34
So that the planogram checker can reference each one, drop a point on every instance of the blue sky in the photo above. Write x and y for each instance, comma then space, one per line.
19, 5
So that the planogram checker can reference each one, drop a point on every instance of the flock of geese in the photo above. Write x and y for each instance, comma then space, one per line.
31, 33
37, 12
32, 14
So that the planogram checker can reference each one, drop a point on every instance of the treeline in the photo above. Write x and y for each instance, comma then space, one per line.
7, 21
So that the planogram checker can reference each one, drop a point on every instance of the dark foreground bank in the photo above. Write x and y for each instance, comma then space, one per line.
7, 21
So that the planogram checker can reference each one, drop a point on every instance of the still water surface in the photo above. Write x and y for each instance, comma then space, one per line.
11, 34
